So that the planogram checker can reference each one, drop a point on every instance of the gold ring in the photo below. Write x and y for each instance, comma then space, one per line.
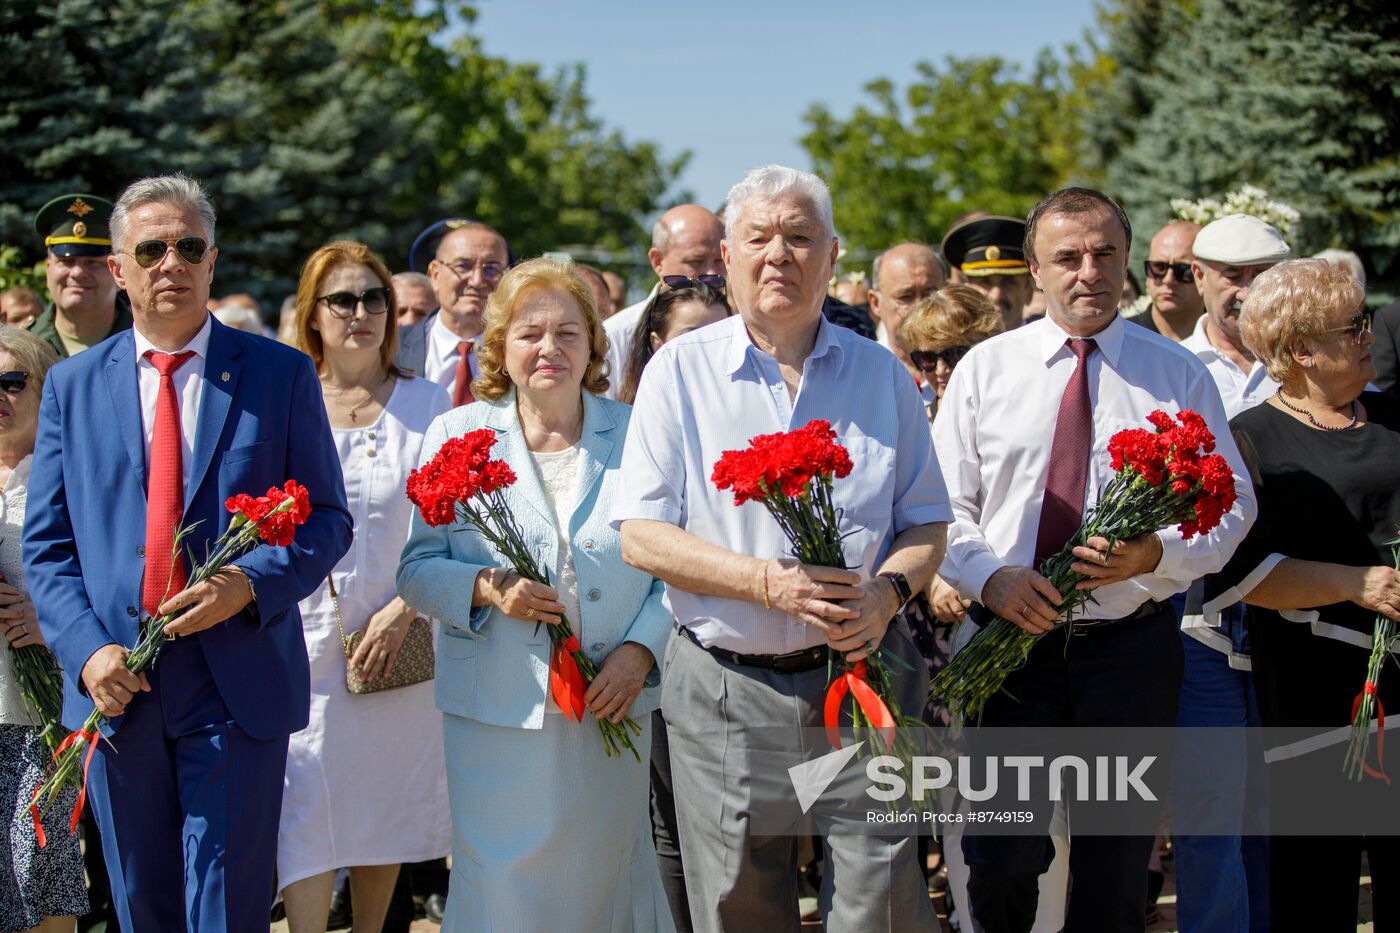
530, 612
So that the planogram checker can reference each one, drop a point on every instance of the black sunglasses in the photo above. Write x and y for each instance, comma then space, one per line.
192, 249
13, 382
1156, 271
677, 282
927, 360
343, 304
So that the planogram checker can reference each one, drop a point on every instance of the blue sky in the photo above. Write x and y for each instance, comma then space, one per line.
731, 80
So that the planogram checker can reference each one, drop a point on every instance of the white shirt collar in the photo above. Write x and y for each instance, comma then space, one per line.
1052, 339
740, 343
199, 344
442, 341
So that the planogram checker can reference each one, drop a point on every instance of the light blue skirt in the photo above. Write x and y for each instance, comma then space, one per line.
548, 832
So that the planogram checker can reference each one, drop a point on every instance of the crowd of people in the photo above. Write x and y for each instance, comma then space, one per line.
376, 701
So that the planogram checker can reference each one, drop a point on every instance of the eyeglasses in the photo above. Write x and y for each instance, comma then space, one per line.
677, 282
490, 271
1358, 326
1156, 271
192, 249
343, 304
927, 360
13, 382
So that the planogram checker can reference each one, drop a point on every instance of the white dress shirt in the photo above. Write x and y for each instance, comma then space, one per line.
994, 432
189, 389
620, 328
440, 363
712, 390
1239, 390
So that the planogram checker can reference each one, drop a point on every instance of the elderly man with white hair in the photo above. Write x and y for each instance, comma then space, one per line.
747, 668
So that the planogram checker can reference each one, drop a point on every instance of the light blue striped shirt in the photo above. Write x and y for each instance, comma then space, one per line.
712, 390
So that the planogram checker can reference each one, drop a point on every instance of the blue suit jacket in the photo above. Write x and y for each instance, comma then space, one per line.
261, 422
493, 668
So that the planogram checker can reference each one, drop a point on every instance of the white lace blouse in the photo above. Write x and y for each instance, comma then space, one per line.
13, 710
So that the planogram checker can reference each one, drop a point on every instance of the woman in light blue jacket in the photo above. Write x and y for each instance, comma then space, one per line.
547, 830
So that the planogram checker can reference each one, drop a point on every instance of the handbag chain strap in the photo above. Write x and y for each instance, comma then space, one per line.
339, 624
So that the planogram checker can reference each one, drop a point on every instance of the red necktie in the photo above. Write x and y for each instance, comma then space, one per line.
165, 488
1062, 512
462, 388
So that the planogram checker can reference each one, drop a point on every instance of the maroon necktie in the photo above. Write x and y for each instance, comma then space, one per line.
462, 388
1063, 509
165, 488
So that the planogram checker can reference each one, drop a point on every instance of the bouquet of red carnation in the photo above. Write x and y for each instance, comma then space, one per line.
791, 475
272, 519
462, 481
1368, 701
1164, 477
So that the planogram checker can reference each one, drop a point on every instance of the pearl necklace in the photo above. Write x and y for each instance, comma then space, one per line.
1318, 424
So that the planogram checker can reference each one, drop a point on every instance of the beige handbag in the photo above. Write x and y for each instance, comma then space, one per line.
413, 665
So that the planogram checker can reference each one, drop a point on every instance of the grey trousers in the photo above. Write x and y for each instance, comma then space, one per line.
724, 720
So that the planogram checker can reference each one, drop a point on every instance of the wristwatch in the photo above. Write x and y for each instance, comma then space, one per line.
901, 587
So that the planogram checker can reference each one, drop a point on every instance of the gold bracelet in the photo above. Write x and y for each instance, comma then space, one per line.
766, 604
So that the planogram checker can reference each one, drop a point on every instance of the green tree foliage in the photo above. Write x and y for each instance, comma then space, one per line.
974, 134
1296, 96
308, 120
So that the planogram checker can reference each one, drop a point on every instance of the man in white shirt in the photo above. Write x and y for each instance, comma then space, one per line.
466, 267
1022, 441
684, 242
747, 670
1229, 254
1223, 879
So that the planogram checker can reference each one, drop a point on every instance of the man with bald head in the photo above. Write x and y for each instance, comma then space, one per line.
1176, 303
467, 264
901, 277
684, 242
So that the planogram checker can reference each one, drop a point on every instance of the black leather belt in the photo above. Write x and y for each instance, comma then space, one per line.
794, 662
1090, 626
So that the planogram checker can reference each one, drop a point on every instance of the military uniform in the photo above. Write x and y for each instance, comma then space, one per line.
987, 245
76, 225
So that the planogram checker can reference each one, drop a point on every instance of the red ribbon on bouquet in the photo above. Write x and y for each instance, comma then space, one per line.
92, 738
1370, 687
854, 682
566, 683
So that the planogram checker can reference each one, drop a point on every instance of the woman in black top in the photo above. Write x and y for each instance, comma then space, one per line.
1315, 568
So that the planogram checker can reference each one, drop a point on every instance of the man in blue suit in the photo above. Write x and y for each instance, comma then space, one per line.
154, 427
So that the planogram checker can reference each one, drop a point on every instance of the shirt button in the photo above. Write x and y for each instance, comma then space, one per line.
588, 545
370, 452
141, 551
599, 645
131, 611
370, 435
593, 594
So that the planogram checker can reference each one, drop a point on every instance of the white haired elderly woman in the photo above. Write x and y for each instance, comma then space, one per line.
1315, 569
39, 888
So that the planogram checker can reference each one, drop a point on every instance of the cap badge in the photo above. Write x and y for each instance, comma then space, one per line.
454, 223
80, 207
79, 228
993, 253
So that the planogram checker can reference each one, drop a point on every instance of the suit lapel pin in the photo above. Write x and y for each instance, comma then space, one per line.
225, 377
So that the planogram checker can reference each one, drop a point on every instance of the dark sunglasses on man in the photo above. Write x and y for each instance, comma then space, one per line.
343, 304
13, 382
927, 360
192, 249
678, 282
1157, 271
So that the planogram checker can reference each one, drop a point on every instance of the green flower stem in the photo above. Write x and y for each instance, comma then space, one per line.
1127, 508
496, 523
1382, 640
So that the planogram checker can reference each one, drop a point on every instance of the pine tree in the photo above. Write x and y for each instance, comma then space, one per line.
1295, 96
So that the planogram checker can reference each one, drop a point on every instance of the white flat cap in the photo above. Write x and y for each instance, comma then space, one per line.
1240, 240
